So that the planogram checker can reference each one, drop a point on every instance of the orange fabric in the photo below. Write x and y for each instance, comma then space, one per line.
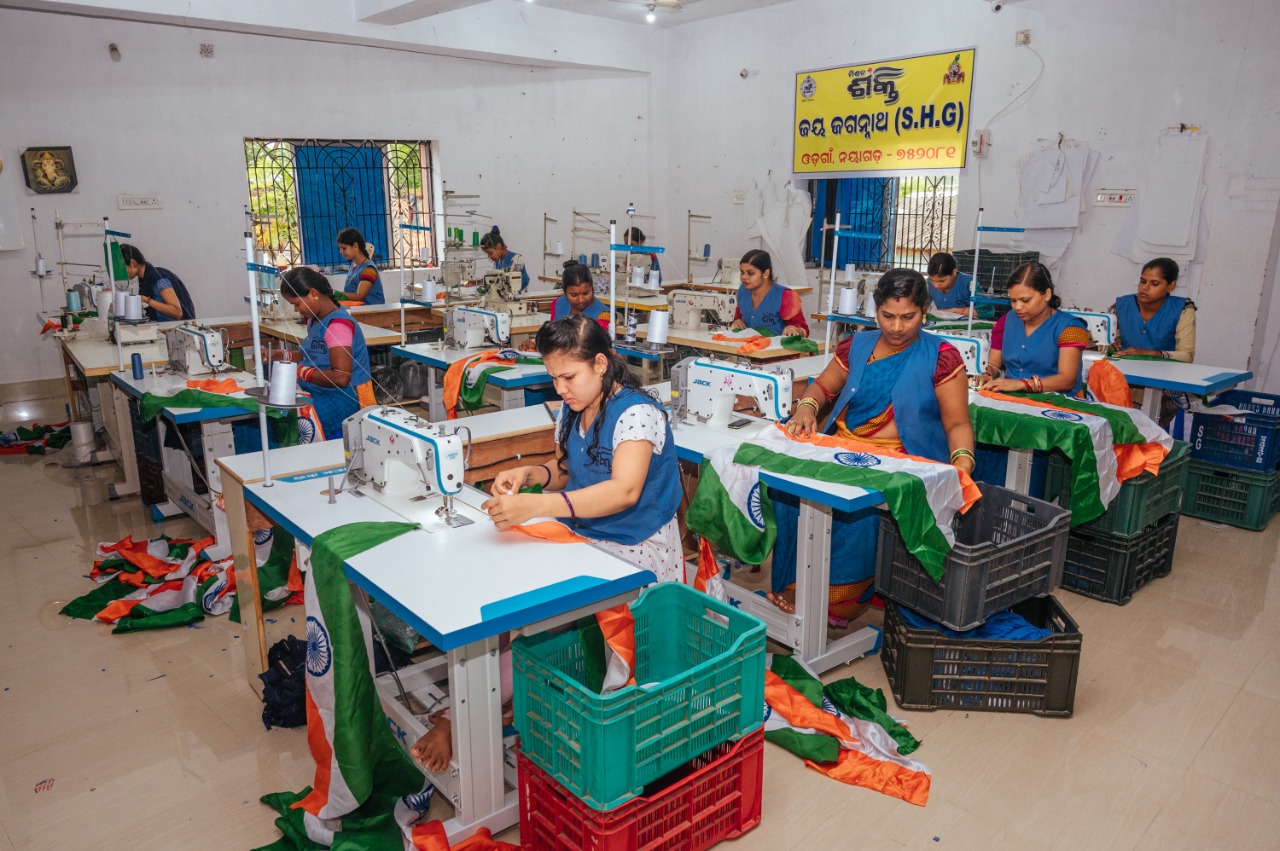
431, 837
888, 778
346, 303
549, 530
456, 374
797, 709
619, 628
1109, 385
322, 753
708, 568
214, 385
967, 487
364, 394
749, 344
115, 610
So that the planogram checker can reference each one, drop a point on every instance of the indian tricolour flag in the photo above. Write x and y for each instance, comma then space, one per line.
1107, 444
842, 730
732, 509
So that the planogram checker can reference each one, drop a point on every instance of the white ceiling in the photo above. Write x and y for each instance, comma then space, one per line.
634, 10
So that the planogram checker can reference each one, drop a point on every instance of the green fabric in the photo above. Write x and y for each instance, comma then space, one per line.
904, 494
867, 704
1135, 357
375, 769
87, 606
1123, 431
284, 424
274, 573
141, 618
794, 675
800, 344
471, 397
594, 660
764, 332
1016, 431
721, 522
116, 262
816, 747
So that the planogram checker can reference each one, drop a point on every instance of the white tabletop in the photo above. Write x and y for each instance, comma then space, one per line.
644, 303
96, 358
170, 383
693, 441
453, 585
499, 424
700, 338
1195, 378
295, 332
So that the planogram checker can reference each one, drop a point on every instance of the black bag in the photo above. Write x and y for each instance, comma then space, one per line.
284, 684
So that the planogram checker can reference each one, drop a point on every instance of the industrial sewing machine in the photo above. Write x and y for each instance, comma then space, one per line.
401, 455
472, 327
705, 390
690, 307
973, 351
1102, 327
133, 332
498, 289
195, 349
729, 270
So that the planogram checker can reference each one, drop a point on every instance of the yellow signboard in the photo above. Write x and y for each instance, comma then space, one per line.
897, 115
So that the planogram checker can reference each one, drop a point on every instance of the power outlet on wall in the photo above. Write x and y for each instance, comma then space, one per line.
1114, 197
138, 202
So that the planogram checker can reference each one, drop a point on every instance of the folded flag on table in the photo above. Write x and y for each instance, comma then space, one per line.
1106, 444
465, 380
732, 509
171, 582
842, 730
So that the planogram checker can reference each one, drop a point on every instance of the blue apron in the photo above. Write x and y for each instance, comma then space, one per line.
148, 286
352, 285
1025, 357
1160, 332
561, 309
768, 315
956, 298
505, 263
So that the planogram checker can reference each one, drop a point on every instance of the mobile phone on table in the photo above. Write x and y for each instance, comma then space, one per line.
740, 423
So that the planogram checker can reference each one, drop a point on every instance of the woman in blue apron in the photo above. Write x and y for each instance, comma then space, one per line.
948, 286
333, 359
765, 304
579, 297
1037, 347
504, 259
1153, 321
163, 294
900, 388
363, 284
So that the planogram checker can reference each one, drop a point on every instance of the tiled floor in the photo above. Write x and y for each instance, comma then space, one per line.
153, 741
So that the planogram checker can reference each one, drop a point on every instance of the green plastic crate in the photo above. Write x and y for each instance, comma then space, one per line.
1231, 495
1142, 500
1112, 567
700, 670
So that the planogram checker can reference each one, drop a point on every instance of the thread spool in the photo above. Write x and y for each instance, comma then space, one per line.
633, 325
284, 383
848, 301
659, 324
117, 303
41, 269
82, 434
869, 309
706, 251
475, 239
135, 361
429, 290
655, 279
595, 260
73, 301
559, 248
637, 277
133, 307
582, 259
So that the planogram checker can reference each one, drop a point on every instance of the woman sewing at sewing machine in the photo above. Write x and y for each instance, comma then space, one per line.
1153, 321
765, 304
363, 285
899, 388
504, 259
948, 286
615, 480
1037, 347
333, 360
579, 297
635, 236
163, 294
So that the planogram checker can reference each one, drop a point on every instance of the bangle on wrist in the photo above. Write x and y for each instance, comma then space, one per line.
961, 452
573, 515
548, 469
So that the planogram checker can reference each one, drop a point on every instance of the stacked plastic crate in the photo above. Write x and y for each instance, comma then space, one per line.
1008, 555
1132, 543
1234, 477
676, 761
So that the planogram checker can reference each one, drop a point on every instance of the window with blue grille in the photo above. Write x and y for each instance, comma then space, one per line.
891, 221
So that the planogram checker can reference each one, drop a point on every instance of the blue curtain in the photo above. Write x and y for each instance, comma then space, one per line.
340, 186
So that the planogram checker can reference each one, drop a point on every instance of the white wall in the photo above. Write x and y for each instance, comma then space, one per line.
1116, 74
164, 121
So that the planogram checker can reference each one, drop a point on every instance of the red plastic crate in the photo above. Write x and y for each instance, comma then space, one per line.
714, 797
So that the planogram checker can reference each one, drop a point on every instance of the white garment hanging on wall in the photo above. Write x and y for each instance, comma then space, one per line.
782, 218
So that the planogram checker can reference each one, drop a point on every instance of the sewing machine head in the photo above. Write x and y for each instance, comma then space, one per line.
729, 269
401, 455
472, 327
195, 349
129, 332
688, 307
973, 351
498, 290
704, 390
1102, 326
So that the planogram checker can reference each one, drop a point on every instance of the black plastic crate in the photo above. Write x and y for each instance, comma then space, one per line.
1249, 442
1009, 548
994, 267
929, 670
1112, 567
